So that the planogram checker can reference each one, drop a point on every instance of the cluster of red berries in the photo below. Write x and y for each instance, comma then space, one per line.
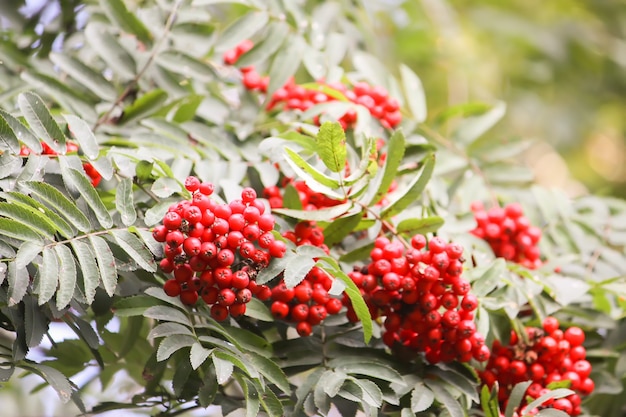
70, 147
310, 200
293, 96
545, 357
308, 303
509, 233
215, 250
426, 303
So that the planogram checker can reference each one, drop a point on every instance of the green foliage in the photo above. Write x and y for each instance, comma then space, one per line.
142, 91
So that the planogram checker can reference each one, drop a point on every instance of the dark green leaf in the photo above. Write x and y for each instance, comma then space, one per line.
171, 344
88, 267
413, 191
106, 263
67, 276
17, 230
41, 211
135, 248
144, 106
489, 402
395, 152
331, 142
340, 228
56, 379
270, 370
271, 404
63, 205
124, 201
88, 192
420, 226
117, 12
371, 393
257, 310
446, 399
41, 121
83, 134
22, 132
48, 275
167, 314
8, 139
35, 322
87, 77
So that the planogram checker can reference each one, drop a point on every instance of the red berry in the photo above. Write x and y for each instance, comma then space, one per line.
304, 329
219, 312
189, 297
279, 309
171, 287
237, 309
575, 336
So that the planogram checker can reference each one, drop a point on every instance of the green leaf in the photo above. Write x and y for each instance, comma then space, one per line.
56, 379
117, 13
135, 248
446, 399
551, 412
262, 50
8, 138
18, 283
371, 394
27, 252
83, 134
331, 142
167, 314
28, 216
413, 191
90, 195
420, 226
188, 66
87, 77
414, 93
35, 322
198, 355
358, 254
48, 275
489, 402
106, 263
257, 310
325, 214
301, 166
144, 106
165, 187
124, 201
171, 344
44, 213
395, 152
16, 230
296, 269
285, 63
59, 202
474, 127
243, 28
340, 228
271, 404
67, 276
269, 369
421, 398
9, 164
223, 369
110, 50
88, 268
557, 393
41, 121
187, 108
516, 397
490, 279
168, 329
22, 132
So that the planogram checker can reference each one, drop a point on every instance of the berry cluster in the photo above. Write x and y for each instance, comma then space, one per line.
294, 96
311, 200
550, 355
509, 233
215, 250
70, 147
426, 303
308, 303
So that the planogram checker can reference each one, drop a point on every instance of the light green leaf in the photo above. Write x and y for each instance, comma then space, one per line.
551, 412
257, 310
261, 51
87, 77
56, 379
301, 167
59, 202
27, 252
9, 164
516, 397
18, 283
144, 106
369, 368
223, 369
124, 201
271, 404
83, 134
269, 369
285, 63
414, 93
443, 396
557, 393
106, 263
110, 50
88, 267
171, 344
325, 214
167, 314
420, 226
395, 152
242, 29
297, 268
489, 401
41, 121
421, 398
188, 66
489, 280
8, 139
413, 191
67, 275
29, 217
24, 134
91, 196
198, 355
48, 275
17, 230
165, 187
44, 213
168, 329
331, 142
474, 127
117, 12
135, 248
372, 395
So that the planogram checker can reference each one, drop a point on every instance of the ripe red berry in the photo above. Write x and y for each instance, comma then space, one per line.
189, 297
171, 287
279, 309
237, 309
575, 336
219, 312
192, 184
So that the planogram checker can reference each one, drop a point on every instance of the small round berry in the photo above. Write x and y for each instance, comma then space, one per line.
277, 249
192, 184
279, 309
575, 336
237, 309
248, 194
171, 287
159, 233
219, 312
304, 329
189, 297
206, 188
